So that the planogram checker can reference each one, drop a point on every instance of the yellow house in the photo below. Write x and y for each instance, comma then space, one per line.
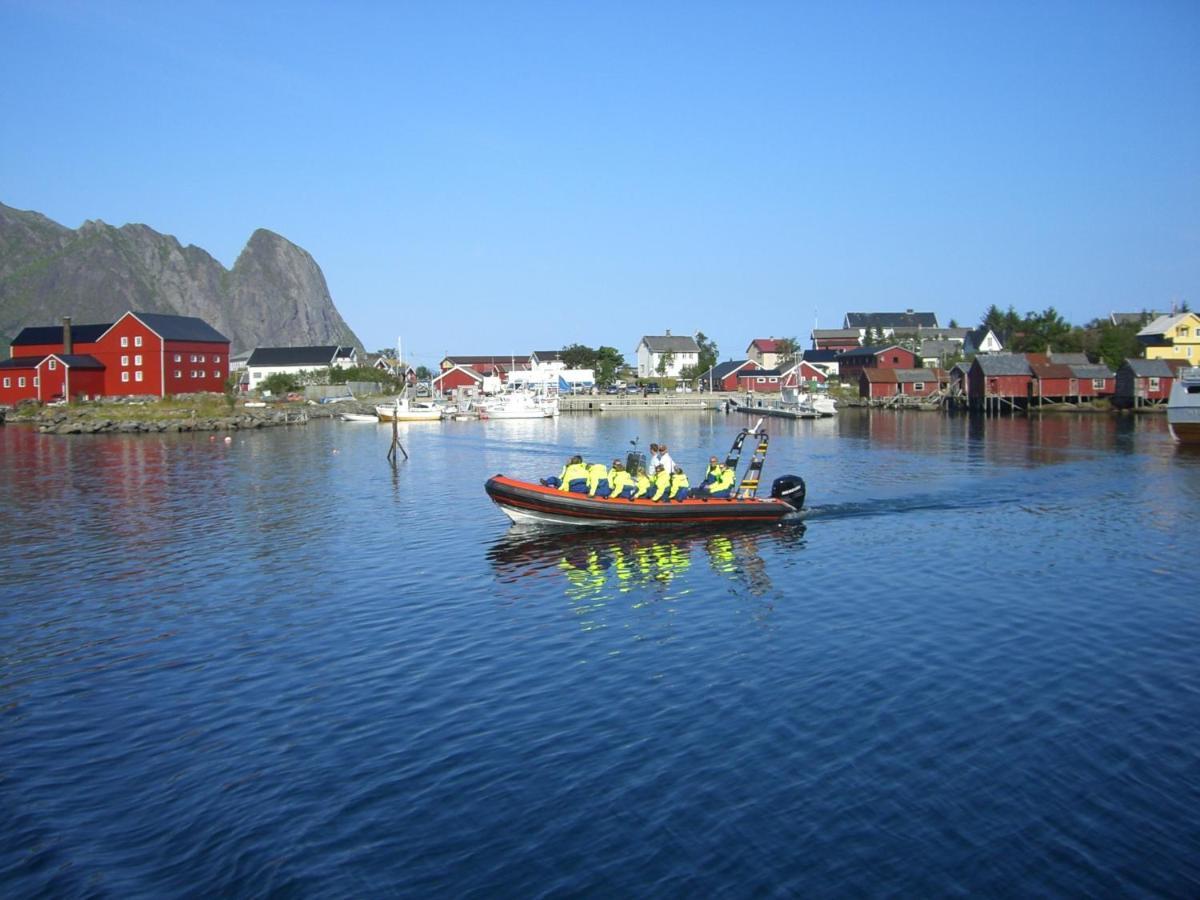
1173, 337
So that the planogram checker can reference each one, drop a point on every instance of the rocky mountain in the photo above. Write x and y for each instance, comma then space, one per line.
275, 295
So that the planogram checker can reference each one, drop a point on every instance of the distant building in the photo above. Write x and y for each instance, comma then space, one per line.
678, 351
547, 359
982, 340
495, 364
267, 361
824, 360
765, 352
141, 354
1133, 318
852, 362
724, 376
1143, 382
887, 325
836, 338
1173, 337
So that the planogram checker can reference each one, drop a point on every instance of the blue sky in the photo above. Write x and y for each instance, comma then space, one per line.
501, 177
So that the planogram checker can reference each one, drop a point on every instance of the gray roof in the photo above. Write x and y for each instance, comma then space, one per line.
1133, 318
1150, 368
1070, 359
180, 328
943, 333
721, 370
911, 375
1162, 325
293, 356
1091, 370
940, 348
1003, 364
670, 343
835, 333
908, 320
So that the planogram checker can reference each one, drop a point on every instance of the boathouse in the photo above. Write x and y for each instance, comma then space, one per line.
1143, 382
876, 384
999, 381
450, 380
760, 381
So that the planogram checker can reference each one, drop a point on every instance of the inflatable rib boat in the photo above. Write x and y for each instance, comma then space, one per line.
527, 503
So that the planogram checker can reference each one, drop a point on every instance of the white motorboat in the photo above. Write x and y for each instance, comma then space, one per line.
519, 405
818, 403
1183, 406
404, 410
358, 417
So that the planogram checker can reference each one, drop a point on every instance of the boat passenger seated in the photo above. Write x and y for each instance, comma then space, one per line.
662, 484
678, 489
710, 474
644, 484
723, 486
573, 477
598, 483
621, 482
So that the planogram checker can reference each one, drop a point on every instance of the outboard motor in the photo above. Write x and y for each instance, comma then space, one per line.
790, 489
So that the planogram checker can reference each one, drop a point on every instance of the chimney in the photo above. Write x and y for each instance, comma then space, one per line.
68, 343
668, 332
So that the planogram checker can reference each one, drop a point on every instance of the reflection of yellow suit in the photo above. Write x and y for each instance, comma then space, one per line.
720, 554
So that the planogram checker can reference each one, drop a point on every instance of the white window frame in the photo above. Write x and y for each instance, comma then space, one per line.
178, 373
918, 385
217, 358
1154, 384
137, 376
137, 359
216, 374
761, 380
52, 365
193, 358
124, 341
124, 360
21, 381
125, 376
201, 359
8, 382
137, 340
36, 381
178, 357
1097, 384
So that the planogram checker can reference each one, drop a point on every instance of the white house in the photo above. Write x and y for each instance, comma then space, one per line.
553, 378
267, 361
679, 353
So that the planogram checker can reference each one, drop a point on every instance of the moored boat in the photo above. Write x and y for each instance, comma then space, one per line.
1183, 406
404, 410
519, 405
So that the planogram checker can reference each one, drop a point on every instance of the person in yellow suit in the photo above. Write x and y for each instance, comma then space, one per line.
621, 482
598, 483
662, 484
678, 489
644, 484
573, 477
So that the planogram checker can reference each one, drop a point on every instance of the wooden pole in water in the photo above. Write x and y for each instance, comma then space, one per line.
396, 436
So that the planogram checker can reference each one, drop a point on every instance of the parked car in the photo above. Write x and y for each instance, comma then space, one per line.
612, 389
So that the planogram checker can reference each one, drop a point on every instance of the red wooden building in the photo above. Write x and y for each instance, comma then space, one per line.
1143, 382
760, 381
852, 363
999, 380
141, 354
449, 380
803, 374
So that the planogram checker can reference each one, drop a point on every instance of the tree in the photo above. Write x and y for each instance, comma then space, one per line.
665, 362
953, 323
708, 353
423, 373
609, 361
279, 383
788, 350
579, 356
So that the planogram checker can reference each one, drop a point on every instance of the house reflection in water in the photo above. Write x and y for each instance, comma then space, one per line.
603, 565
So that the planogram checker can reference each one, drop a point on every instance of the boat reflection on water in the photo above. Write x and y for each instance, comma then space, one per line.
615, 561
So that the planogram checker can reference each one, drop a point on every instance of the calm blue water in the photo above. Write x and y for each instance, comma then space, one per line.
275, 666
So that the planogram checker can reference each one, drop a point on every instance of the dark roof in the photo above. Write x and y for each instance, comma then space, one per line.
769, 373
883, 376
1133, 318
825, 356
21, 362
943, 334
721, 370
1043, 368
179, 328
931, 347
53, 334
670, 343
547, 355
1150, 368
292, 356
868, 352
979, 335
818, 333
79, 360
345, 352
1003, 364
904, 320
